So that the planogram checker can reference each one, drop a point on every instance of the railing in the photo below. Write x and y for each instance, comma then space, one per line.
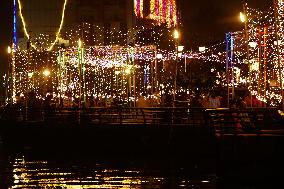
223, 121
103, 116
245, 121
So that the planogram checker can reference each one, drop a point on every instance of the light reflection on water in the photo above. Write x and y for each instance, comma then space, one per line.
75, 175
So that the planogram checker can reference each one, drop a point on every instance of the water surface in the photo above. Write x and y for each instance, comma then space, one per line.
20, 171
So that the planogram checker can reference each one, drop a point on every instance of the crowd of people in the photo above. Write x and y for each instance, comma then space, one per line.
32, 106
199, 100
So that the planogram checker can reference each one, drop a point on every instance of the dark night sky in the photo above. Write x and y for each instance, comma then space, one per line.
207, 21
5, 31
204, 21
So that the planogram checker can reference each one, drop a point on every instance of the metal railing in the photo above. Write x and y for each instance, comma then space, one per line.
245, 121
104, 115
223, 121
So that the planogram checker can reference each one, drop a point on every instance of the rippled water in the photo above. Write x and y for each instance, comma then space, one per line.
22, 172
35, 168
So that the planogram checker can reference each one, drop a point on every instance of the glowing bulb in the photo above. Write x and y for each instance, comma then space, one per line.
252, 44
159, 56
80, 43
180, 48
9, 50
127, 71
176, 34
202, 49
30, 74
242, 17
46, 72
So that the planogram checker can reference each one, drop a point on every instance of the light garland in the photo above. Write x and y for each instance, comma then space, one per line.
263, 61
57, 33
138, 8
164, 12
109, 67
15, 23
104, 68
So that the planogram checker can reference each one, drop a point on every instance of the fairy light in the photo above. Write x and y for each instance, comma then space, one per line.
174, 13
266, 77
160, 9
152, 9
164, 11
61, 24
15, 22
107, 66
100, 62
57, 33
138, 8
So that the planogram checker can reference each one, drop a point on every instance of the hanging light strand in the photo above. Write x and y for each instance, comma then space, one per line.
57, 33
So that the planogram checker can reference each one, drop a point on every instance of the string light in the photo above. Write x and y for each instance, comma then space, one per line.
263, 62
109, 67
104, 66
138, 8
57, 33
15, 23
164, 12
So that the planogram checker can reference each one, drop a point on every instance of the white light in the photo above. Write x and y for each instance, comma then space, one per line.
179, 55
279, 42
252, 44
202, 49
180, 48
159, 56
242, 17
116, 72
9, 50
205, 181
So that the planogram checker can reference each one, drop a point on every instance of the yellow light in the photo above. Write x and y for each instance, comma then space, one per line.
79, 43
117, 72
174, 13
152, 9
60, 27
205, 181
176, 34
127, 71
9, 50
141, 8
30, 74
242, 17
46, 72
57, 33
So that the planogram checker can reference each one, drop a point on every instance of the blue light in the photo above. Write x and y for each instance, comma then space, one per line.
15, 24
